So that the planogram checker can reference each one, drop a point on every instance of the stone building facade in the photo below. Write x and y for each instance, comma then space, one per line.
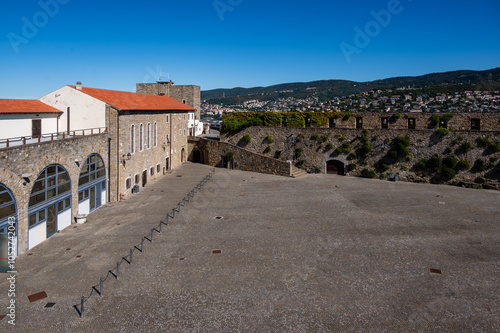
45, 185
20, 167
188, 94
163, 146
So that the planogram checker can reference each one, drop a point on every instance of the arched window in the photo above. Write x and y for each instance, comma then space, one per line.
132, 139
92, 185
141, 137
149, 136
49, 208
155, 142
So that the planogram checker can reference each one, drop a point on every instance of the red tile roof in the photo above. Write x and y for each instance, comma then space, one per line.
123, 100
12, 106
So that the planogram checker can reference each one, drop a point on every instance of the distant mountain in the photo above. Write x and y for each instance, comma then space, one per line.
484, 80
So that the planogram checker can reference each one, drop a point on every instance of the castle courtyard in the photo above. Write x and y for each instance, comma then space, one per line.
261, 253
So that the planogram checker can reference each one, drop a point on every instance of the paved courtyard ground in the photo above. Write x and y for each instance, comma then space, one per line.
316, 253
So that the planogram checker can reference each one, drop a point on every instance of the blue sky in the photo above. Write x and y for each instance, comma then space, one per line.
229, 43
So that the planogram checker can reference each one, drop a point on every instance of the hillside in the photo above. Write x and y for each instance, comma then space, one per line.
327, 89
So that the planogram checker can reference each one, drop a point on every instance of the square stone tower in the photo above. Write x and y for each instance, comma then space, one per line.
190, 95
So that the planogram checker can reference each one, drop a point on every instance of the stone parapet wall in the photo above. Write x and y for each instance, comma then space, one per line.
243, 159
424, 144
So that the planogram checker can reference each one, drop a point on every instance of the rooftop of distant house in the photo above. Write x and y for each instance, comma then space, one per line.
25, 106
129, 101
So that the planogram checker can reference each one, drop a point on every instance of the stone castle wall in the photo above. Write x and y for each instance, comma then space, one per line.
33, 159
424, 144
214, 151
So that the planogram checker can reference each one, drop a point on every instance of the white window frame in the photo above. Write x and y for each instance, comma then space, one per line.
141, 137
148, 140
132, 139
155, 135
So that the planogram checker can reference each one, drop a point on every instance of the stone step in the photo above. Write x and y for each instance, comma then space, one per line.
296, 172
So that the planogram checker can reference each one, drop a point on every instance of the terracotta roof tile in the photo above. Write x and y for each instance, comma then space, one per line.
123, 100
13, 106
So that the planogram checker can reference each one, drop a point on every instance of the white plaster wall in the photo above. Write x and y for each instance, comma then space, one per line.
84, 207
85, 111
64, 219
17, 125
37, 234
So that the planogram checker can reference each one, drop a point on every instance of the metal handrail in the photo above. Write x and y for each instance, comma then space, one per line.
99, 288
24, 140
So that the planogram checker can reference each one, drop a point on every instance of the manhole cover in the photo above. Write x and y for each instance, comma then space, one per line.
37, 296
49, 305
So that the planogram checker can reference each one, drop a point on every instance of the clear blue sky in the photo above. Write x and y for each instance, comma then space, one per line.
228, 43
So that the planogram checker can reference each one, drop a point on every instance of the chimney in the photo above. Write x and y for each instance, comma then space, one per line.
78, 85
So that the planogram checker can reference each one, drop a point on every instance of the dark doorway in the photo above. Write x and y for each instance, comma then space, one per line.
197, 158
223, 162
36, 128
335, 168
167, 164
331, 123
144, 178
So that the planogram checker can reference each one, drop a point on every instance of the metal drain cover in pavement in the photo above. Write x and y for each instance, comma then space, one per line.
37, 296
49, 305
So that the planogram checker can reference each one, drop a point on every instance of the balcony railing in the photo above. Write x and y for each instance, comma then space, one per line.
27, 140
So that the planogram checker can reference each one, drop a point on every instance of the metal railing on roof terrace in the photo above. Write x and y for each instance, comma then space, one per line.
27, 140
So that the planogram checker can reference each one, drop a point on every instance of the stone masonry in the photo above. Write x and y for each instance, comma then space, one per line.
424, 144
33, 159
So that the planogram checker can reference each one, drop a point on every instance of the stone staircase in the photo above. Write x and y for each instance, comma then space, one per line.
296, 172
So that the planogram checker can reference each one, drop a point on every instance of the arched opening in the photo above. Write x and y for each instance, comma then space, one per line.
8, 226
197, 157
335, 167
92, 185
49, 208
183, 155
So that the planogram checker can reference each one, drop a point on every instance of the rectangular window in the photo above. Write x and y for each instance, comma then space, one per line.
385, 122
412, 123
184, 132
128, 183
149, 136
152, 171
359, 122
475, 124
136, 179
167, 118
132, 139
158, 168
155, 143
